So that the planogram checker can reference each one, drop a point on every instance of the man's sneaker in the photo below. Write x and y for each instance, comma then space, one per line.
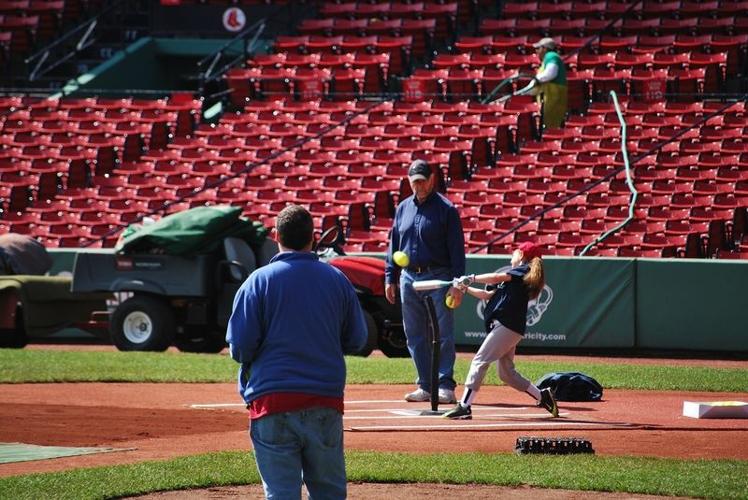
548, 402
459, 412
418, 396
447, 396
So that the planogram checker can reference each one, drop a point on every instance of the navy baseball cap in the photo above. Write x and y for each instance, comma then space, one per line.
419, 170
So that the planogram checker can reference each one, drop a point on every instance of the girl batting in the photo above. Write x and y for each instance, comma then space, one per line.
505, 315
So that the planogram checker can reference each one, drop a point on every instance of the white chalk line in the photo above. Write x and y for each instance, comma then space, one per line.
242, 405
414, 411
373, 401
483, 416
549, 423
475, 407
219, 405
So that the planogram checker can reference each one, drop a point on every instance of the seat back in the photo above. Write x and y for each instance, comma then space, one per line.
237, 250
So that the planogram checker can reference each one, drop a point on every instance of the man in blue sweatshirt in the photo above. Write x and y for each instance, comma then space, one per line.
292, 321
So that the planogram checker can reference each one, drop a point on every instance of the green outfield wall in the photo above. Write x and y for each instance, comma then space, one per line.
692, 304
613, 303
589, 302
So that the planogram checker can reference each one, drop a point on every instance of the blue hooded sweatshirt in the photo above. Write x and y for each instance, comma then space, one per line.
292, 321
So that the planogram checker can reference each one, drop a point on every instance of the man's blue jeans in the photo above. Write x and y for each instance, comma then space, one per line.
416, 323
304, 445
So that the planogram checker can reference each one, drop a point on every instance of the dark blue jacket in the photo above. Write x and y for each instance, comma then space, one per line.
509, 303
292, 321
430, 233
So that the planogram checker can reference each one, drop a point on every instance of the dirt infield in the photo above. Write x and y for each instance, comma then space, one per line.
161, 421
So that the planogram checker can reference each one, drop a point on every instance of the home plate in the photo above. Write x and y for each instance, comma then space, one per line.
415, 413
715, 409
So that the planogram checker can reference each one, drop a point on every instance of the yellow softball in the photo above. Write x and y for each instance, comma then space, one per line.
401, 258
450, 301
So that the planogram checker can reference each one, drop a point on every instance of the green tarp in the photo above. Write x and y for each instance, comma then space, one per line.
21, 452
193, 231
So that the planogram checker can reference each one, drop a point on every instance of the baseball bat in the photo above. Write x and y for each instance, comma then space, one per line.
425, 285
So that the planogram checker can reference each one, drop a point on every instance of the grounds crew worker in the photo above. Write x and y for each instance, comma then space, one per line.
550, 83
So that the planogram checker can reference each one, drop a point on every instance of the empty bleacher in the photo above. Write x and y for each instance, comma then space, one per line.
308, 125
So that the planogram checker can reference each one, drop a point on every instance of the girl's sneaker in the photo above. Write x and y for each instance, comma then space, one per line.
548, 402
459, 412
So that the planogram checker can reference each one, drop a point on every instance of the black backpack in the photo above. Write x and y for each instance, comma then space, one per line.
571, 386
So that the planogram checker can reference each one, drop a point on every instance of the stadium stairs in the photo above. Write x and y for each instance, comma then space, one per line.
30, 28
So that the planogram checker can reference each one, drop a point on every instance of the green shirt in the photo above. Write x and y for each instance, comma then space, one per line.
553, 57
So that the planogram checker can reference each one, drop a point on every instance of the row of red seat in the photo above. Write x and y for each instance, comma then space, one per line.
294, 65
650, 8
585, 23
39, 105
731, 23
438, 107
616, 59
457, 83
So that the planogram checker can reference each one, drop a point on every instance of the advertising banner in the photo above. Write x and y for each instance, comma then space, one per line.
585, 303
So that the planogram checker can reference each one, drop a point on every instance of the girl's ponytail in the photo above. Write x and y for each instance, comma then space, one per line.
535, 277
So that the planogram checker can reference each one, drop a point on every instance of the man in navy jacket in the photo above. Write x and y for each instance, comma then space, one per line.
428, 229
292, 321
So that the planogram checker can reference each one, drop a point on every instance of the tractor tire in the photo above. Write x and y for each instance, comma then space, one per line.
142, 323
392, 342
14, 338
373, 334
210, 343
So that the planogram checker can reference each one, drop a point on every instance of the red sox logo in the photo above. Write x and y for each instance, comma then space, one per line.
234, 19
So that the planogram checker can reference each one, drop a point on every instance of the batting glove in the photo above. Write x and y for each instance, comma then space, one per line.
463, 282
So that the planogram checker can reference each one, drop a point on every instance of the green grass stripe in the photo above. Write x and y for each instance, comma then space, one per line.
25, 366
696, 478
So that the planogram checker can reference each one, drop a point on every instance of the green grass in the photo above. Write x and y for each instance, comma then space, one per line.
707, 479
24, 366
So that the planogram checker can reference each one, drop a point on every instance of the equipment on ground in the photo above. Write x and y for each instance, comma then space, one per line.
552, 446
